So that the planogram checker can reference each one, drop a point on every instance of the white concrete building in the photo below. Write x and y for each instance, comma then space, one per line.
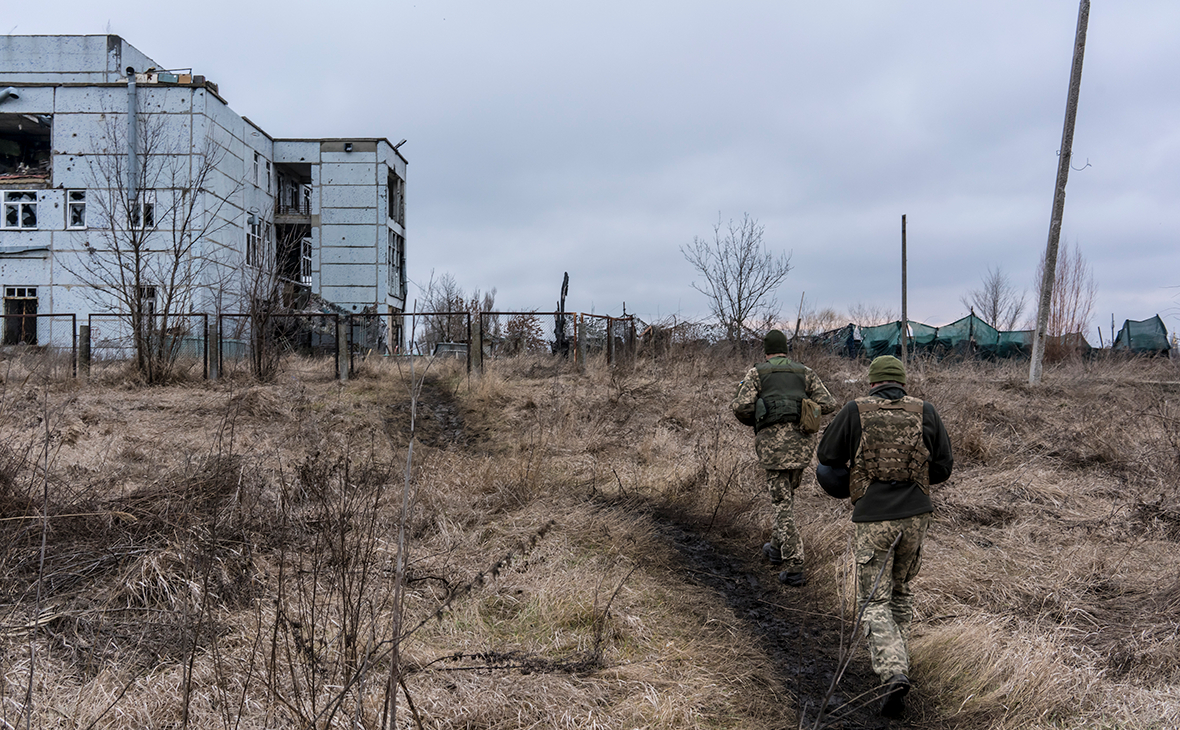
327, 216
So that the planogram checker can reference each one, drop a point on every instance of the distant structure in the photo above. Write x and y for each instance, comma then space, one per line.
325, 216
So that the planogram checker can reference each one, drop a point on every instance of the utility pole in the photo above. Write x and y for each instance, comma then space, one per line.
905, 322
1063, 161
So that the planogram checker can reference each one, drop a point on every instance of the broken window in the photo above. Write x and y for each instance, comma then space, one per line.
25, 148
142, 215
75, 209
268, 176
397, 199
20, 209
305, 262
396, 259
20, 320
147, 309
253, 241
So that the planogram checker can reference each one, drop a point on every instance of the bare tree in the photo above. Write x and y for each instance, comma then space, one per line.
152, 211
1072, 304
997, 301
261, 290
740, 276
869, 315
450, 306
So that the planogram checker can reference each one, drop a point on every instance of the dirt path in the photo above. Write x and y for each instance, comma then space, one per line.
798, 633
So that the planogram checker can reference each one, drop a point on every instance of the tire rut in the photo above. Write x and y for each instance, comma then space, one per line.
796, 631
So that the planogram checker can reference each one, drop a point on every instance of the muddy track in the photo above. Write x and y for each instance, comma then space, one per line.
797, 632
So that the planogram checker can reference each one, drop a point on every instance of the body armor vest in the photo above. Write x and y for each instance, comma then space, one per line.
782, 387
891, 445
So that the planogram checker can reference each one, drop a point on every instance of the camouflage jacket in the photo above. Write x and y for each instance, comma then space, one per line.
781, 446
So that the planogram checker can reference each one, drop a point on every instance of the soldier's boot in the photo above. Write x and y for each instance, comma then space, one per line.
795, 579
772, 553
896, 689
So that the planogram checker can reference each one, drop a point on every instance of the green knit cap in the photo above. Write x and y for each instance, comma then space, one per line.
886, 367
774, 341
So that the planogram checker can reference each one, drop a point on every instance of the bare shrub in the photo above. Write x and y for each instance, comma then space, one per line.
997, 301
1072, 303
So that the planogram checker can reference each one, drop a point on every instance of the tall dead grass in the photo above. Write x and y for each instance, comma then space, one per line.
227, 555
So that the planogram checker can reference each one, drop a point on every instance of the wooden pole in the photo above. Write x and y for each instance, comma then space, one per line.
1063, 160
905, 323
799, 319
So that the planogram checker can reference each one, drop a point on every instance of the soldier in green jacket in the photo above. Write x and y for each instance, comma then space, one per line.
771, 399
887, 449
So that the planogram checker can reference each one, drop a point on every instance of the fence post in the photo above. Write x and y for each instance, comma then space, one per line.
610, 341
342, 349
213, 346
475, 347
581, 338
84, 350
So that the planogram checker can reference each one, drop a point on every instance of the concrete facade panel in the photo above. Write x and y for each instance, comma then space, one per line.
349, 236
333, 255
346, 157
295, 151
32, 100
349, 216
338, 173
14, 241
353, 298
350, 275
348, 196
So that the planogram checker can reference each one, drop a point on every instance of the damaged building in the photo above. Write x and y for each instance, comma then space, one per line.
323, 219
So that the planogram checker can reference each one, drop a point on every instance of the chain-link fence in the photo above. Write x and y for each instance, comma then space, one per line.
42, 343
175, 342
266, 345
511, 334
613, 338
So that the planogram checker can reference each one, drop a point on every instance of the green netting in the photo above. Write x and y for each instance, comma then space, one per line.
1146, 337
966, 335
1013, 344
883, 339
972, 336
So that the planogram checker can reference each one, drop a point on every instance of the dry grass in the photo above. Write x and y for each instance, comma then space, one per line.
226, 555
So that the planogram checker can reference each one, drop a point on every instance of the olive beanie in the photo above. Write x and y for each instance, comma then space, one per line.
775, 341
886, 367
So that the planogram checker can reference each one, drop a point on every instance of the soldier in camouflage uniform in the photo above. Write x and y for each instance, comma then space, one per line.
770, 398
890, 448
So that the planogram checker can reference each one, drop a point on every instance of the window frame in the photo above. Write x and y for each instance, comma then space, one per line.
253, 241
72, 205
20, 205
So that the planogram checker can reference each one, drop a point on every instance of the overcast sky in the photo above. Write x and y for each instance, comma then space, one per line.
598, 138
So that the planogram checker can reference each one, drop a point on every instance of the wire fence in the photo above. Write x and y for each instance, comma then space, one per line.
303, 344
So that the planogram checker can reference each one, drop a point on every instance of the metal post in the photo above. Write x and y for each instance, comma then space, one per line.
475, 349
84, 350
580, 335
205, 354
74, 332
1063, 160
905, 322
610, 342
341, 349
213, 347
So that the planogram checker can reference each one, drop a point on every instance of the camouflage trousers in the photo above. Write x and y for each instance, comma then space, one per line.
889, 610
784, 534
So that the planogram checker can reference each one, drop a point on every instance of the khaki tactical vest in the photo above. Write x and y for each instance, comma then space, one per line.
782, 387
891, 446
